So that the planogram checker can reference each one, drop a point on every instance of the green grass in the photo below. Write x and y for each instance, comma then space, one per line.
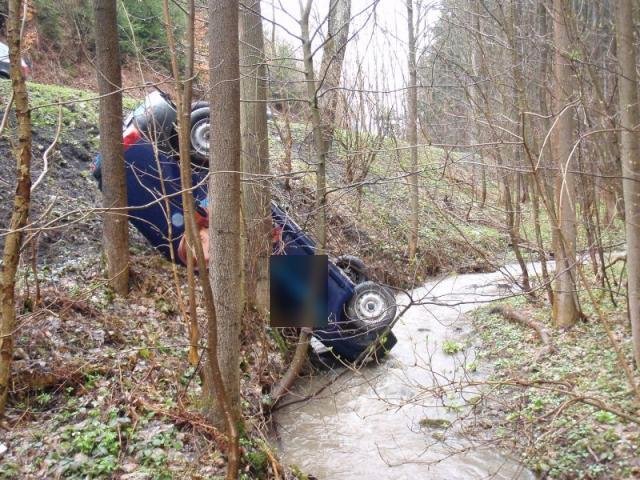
79, 108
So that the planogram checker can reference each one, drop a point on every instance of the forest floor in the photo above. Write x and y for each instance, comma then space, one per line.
563, 411
102, 385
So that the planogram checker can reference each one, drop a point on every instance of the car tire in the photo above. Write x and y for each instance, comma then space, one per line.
371, 308
199, 136
199, 104
353, 267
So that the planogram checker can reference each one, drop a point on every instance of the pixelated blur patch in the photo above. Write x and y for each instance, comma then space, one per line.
299, 290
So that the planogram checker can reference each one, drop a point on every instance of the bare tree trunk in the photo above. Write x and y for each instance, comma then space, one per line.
321, 187
565, 309
114, 185
21, 203
535, 202
512, 215
255, 157
331, 65
217, 401
320, 146
184, 92
514, 211
412, 135
288, 144
224, 192
475, 94
630, 152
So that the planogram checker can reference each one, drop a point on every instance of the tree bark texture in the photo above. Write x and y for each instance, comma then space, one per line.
338, 21
114, 187
565, 309
215, 396
21, 202
630, 150
255, 157
318, 138
412, 136
224, 190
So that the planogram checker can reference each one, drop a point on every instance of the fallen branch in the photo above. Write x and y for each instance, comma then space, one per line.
45, 157
578, 397
539, 328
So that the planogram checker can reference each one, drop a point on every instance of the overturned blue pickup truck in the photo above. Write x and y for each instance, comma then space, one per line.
359, 310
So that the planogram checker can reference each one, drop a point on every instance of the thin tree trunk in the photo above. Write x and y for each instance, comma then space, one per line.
288, 145
535, 202
565, 309
214, 387
412, 136
255, 157
224, 193
21, 202
302, 347
320, 146
630, 151
514, 217
114, 185
475, 94
331, 64
184, 91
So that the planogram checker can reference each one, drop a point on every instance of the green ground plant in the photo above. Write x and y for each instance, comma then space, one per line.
565, 437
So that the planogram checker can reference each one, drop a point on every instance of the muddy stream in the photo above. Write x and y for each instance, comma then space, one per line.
384, 422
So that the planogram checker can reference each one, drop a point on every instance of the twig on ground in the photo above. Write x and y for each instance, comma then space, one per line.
45, 156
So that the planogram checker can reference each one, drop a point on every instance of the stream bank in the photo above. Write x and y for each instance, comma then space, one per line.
415, 415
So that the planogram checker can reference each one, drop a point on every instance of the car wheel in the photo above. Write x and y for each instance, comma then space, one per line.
353, 267
199, 135
372, 307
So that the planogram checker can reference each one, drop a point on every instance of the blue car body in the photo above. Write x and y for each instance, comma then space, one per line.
156, 211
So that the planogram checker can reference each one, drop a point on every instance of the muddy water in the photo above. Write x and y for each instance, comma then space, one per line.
385, 422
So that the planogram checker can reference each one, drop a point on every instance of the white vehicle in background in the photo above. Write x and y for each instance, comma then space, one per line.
5, 65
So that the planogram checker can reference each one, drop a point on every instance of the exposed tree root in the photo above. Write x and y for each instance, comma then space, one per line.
539, 328
290, 376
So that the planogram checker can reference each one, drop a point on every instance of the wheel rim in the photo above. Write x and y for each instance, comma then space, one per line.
200, 137
371, 307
